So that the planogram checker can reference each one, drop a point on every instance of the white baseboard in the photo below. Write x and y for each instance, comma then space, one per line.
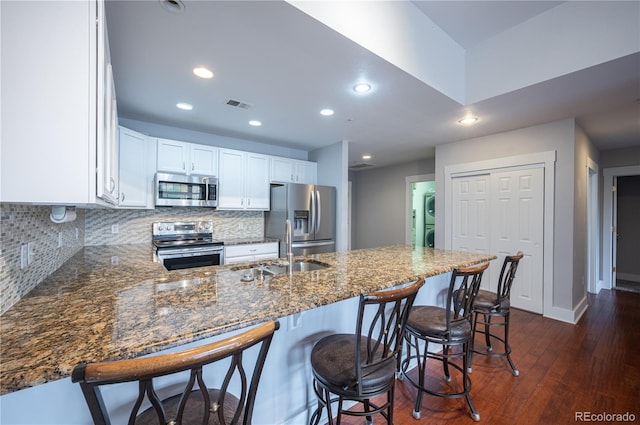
628, 276
566, 315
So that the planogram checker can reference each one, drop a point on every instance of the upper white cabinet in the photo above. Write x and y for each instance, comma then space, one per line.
59, 118
287, 170
137, 168
243, 183
187, 158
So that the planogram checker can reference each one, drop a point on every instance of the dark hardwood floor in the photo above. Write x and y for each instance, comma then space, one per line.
593, 366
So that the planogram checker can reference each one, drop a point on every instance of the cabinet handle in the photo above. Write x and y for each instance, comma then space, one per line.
249, 202
112, 184
184, 166
193, 166
122, 197
291, 177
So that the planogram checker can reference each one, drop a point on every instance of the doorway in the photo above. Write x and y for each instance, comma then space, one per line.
609, 221
627, 233
420, 210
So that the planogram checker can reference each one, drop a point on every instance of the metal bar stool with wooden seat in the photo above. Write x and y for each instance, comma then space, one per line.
448, 327
496, 304
357, 367
192, 406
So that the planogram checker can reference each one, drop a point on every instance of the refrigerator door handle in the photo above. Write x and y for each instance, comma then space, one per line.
318, 211
312, 208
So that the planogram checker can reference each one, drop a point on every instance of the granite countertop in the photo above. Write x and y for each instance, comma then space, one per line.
115, 302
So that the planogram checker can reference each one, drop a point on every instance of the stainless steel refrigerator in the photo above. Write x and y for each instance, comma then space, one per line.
312, 212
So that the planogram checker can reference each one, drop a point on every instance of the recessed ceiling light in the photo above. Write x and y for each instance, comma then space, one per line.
255, 123
184, 106
468, 120
326, 112
361, 88
203, 72
366, 156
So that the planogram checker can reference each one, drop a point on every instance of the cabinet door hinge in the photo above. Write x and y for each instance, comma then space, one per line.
613, 269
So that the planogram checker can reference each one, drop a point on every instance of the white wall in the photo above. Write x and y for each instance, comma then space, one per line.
558, 136
332, 171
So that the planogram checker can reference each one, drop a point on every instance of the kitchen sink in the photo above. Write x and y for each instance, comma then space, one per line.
298, 266
278, 268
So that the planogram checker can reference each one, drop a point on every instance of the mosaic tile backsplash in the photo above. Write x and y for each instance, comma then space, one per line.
20, 224
53, 244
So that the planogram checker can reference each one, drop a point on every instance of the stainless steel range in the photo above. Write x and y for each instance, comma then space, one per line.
182, 245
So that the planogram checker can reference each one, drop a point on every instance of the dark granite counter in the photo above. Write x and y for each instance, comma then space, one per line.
115, 302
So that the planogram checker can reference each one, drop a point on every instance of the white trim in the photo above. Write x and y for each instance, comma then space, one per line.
593, 239
546, 160
565, 315
629, 276
607, 219
408, 207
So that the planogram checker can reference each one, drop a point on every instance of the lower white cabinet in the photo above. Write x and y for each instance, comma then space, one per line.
247, 253
137, 169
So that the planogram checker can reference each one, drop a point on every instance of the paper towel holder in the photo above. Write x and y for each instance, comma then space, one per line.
62, 214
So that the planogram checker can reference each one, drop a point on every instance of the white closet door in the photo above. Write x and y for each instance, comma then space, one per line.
501, 213
470, 213
517, 208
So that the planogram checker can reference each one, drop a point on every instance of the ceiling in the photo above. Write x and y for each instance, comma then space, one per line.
286, 66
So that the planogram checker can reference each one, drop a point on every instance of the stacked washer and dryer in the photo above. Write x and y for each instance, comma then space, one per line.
429, 219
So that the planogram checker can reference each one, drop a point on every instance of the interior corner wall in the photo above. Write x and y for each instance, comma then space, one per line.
584, 149
555, 136
378, 204
333, 163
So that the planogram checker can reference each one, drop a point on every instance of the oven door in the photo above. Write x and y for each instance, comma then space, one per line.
186, 258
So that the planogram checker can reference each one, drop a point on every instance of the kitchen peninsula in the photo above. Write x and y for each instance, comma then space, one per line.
115, 302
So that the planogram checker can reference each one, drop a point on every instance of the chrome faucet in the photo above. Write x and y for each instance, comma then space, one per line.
288, 240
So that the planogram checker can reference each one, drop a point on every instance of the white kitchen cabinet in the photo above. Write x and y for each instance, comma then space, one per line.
187, 158
243, 183
59, 140
137, 169
287, 170
247, 253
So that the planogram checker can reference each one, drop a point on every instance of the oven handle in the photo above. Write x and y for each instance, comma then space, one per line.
192, 252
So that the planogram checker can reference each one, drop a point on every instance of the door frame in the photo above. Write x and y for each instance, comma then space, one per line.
593, 235
545, 160
608, 220
409, 180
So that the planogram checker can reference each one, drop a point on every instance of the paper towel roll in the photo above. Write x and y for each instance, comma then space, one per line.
62, 214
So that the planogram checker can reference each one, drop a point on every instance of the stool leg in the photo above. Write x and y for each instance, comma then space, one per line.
472, 343
445, 363
487, 335
507, 347
466, 384
422, 361
367, 408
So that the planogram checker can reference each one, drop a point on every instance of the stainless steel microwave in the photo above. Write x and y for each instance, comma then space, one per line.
177, 190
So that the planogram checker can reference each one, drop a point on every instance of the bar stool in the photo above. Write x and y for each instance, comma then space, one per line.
357, 367
202, 405
496, 304
446, 327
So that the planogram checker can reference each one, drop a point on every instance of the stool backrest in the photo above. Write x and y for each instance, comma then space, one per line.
463, 288
507, 274
92, 376
382, 317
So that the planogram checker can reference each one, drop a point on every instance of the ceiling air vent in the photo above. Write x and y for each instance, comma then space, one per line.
238, 104
360, 166
173, 6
